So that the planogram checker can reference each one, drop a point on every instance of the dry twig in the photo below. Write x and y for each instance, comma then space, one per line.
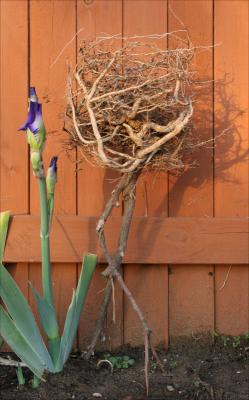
11, 363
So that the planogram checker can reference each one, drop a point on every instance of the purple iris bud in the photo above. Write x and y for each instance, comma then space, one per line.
34, 121
32, 94
35, 132
53, 164
51, 177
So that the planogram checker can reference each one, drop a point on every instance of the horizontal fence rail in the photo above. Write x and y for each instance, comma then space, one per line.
152, 240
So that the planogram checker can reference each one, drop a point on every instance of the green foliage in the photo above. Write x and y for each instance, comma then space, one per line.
35, 382
77, 303
225, 340
20, 345
21, 317
47, 315
173, 364
153, 365
20, 377
4, 224
119, 362
247, 336
18, 327
236, 341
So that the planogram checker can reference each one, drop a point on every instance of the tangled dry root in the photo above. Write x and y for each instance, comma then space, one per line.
130, 108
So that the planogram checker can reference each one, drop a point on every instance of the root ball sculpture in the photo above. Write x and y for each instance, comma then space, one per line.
130, 110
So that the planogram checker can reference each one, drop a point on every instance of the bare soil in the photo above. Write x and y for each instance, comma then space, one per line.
194, 369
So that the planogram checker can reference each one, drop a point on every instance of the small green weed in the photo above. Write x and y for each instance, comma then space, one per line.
247, 336
153, 365
225, 340
236, 342
119, 362
173, 364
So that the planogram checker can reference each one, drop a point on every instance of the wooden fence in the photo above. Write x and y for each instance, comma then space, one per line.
187, 258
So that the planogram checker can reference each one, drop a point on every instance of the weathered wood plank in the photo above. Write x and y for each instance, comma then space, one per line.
14, 185
13, 147
231, 154
191, 295
95, 184
152, 240
191, 193
13, 82
145, 17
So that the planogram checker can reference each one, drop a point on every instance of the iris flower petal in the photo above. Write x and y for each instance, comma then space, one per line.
31, 116
37, 123
34, 121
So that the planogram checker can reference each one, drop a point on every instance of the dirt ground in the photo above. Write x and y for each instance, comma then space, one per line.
194, 369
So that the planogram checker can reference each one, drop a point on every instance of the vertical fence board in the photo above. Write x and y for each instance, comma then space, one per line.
144, 18
191, 300
95, 184
13, 82
231, 154
48, 73
14, 76
191, 194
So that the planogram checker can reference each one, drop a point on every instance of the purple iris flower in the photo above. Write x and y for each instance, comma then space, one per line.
34, 121
53, 164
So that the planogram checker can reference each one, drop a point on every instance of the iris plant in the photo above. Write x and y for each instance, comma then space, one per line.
18, 327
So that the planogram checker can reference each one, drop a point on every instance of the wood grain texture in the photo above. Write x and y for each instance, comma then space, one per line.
153, 240
48, 73
96, 184
231, 154
191, 194
14, 150
14, 187
194, 288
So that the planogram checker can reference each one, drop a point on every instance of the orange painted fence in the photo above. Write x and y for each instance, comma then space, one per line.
187, 259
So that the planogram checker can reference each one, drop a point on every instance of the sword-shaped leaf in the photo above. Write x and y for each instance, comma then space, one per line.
65, 343
47, 315
20, 345
4, 224
22, 316
73, 315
